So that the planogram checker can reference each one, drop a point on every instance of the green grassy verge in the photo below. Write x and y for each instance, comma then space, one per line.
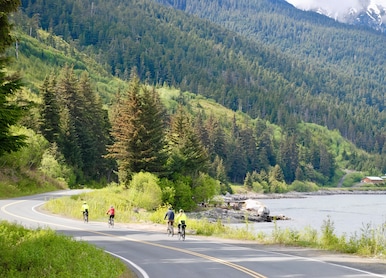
43, 253
371, 242
23, 182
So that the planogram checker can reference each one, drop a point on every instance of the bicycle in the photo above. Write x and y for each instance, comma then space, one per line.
85, 216
170, 229
181, 233
111, 222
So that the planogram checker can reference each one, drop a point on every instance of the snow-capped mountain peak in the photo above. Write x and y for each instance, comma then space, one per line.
371, 13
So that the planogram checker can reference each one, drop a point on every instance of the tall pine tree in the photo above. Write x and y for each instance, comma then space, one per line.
10, 112
95, 128
50, 112
189, 157
70, 119
138, 131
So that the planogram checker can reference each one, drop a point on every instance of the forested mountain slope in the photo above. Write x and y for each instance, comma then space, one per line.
344, 61
236, 145
262, 57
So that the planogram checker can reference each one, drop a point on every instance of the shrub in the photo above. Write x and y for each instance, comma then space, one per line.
301, 186
54, 166
329, 240
144, 191
352, 179
28, 156
205, 188
168, 191
183, 198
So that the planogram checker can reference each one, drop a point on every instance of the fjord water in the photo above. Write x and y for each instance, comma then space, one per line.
351, 213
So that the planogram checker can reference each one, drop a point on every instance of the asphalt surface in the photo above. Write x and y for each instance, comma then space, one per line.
151, 253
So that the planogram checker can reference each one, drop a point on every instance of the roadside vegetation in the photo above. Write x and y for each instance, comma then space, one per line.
44, 253
370, 242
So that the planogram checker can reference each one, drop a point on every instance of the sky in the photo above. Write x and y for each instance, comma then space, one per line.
334, 5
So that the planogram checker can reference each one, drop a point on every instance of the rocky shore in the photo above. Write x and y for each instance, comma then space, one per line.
234, 209
233, 216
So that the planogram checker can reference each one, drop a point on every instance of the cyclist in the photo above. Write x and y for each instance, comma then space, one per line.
85, 208
111, 212
170, 216
181, 219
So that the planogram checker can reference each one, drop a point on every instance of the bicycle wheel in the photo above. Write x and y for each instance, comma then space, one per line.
170, 230
85, 217
183, 233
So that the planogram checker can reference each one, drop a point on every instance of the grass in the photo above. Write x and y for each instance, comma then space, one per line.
44, 253
25, 182
99, 202
371, 242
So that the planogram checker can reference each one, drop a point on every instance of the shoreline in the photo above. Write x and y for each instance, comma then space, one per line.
239, 196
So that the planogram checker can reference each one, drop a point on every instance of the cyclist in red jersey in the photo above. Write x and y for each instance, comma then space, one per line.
111, 212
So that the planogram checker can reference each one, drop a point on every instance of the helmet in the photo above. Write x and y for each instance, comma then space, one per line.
111, 206
84, 202
181, 210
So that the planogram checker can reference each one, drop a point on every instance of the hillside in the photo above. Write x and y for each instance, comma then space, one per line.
49, 53
336, 64
264, 58
231, 136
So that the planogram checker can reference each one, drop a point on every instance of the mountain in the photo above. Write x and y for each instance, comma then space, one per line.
362, 14
338, 65
373, 16
262, 57
233, 136
173, 49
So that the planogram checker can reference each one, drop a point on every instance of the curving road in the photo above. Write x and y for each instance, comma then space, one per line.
153, 254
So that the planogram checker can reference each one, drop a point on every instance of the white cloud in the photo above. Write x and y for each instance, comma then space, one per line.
334, 5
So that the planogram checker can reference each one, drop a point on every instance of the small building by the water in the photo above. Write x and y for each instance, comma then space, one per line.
372, 180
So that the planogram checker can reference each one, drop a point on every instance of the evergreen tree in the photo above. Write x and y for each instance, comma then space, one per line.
70, 120
50, 111
289, 157
125, 119
216, 137
327, 163
138, 131
10, 112
218, 170
249, 146
151, 152
188, 155
266, 155
238, 162
201, 131
6, 39
118, 150
95, 127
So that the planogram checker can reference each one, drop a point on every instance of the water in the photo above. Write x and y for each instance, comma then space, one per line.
350, 213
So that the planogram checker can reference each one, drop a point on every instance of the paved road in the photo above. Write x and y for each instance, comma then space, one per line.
154, 254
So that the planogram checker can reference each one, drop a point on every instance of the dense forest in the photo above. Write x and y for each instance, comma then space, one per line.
262, 57
116, 97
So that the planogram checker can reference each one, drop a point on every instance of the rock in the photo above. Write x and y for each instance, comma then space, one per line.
238, 209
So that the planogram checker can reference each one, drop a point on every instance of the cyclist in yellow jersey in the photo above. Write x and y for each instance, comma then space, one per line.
180, 219
85, 208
